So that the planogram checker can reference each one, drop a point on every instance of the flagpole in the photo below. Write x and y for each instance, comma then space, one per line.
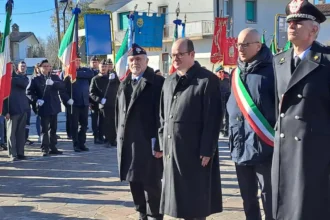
113, 37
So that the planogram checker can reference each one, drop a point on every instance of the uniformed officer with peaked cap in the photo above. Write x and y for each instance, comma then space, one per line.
301, 162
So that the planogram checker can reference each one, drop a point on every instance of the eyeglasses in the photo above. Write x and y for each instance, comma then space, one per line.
178, 55
246, 45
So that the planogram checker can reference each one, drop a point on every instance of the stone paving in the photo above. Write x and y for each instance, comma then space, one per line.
84, 185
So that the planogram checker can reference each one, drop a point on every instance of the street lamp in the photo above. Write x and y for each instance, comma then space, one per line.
66, 5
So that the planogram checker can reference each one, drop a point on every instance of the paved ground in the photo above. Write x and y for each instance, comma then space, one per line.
84, 185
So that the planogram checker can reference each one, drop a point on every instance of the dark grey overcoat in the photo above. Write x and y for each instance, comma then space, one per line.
301, 161
190, 118
137, 123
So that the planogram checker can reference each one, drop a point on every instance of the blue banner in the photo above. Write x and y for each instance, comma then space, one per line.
98, 34
148, 30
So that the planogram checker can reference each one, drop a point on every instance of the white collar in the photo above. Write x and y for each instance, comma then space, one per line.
303, 54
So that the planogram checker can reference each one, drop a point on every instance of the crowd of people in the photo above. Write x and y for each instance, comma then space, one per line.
275, 110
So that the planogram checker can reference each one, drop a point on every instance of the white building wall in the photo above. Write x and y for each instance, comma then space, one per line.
24, 45
324, 35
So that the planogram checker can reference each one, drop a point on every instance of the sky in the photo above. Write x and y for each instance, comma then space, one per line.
38, 21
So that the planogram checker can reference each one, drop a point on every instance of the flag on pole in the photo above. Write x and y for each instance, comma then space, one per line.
5, 62
263, 40
68, 50
287, 46
273, 47
121, 64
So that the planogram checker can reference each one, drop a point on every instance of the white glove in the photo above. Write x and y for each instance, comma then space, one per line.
49, 82
40, 102
112, 76
70, 102
103, 101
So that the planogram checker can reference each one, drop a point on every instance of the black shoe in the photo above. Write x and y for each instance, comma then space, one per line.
58, 137
13, 159
3, 147
55, 152
69, 137
45, 154
143, 216
84, 148
21, 157
28, 142
76, 149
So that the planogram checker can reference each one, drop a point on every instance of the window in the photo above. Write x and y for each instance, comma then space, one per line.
123, 20
251, 11
164, 10
228, 8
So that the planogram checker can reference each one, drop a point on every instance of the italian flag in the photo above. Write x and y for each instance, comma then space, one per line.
250, 111
121, 59
68, 50
287, 46
5, 62
273, 47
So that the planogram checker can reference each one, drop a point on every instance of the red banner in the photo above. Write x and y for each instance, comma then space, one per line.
230, 54
219, 37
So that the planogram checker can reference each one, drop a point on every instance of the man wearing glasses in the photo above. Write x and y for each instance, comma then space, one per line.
251, 112
44, 90
190, 123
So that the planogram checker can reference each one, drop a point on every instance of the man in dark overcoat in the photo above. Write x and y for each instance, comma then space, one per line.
76, 96
190, 116
301, 161
137, 123
44, 90
103, 90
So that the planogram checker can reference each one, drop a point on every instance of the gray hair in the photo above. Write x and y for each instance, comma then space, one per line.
315, 23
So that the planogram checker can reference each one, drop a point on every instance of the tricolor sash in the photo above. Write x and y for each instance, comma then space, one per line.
250, 111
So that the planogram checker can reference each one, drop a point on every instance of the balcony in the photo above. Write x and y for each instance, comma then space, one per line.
197, 29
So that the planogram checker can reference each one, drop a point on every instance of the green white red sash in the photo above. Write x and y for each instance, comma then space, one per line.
250, 111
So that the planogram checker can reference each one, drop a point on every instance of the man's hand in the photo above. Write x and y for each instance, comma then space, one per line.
70, 102
40, 102
158, 154
205, 160
7, 116
103, 101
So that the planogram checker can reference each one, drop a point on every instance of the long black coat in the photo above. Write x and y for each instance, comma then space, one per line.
137, 123
102, 87
17, 103
50, 94
301, 162
190, 118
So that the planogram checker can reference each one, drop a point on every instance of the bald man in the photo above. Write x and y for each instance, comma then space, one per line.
190, 124
251, 112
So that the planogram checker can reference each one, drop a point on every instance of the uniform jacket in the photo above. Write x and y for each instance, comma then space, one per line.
301, 163
102, 87
245, 145
137, 123
17, 103
50, 94
190, 119
93, 105
80, 88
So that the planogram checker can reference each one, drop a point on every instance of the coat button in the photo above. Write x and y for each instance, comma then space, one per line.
124, 111
168, 156
122, 138
297, 139
282, 135
282, 115
169, 136
297, 117
171, 116
174, 97
123, 125
299, 96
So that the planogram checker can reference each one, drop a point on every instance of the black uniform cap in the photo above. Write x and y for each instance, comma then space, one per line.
43, 61
109, 61
94, 58
136, 50
298, 10
103, 62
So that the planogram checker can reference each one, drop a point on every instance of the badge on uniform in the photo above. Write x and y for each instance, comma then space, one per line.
316, 58
282, 60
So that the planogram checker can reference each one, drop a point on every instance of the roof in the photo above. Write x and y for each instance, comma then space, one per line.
110, 5
324, 8
20, 36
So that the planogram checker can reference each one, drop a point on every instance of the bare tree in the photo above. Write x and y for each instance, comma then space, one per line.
51, 50
39, 49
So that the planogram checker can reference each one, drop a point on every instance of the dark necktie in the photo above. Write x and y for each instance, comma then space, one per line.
135, 81
296, 62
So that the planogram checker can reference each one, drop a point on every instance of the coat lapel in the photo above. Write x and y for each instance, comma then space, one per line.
147, 78
307, 65
284, 71
123, 87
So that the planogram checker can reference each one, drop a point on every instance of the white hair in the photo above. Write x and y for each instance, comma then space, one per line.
145, 56
315, 23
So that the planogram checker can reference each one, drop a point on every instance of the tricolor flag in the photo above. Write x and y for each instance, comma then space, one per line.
263, 39
273, 48
5, 62
68, 50
287, 46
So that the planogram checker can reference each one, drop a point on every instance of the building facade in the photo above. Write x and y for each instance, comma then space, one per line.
199, 15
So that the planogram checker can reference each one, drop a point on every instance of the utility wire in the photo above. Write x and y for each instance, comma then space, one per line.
30, 13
